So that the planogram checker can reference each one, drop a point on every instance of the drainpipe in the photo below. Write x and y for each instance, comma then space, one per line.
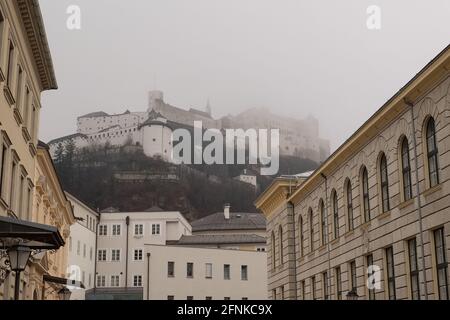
127, 221
291, 214
419, 201
328, 233
96, 251
148, 275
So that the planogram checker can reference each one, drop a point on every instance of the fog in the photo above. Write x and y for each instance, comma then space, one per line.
293, 57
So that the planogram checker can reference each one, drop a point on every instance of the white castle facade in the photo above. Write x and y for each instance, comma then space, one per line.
152, 129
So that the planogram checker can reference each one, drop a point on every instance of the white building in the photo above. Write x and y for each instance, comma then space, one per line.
122, 237
187, 273
82, 243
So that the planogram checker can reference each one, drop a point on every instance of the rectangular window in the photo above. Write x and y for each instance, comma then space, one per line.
10, 65
226, 272
115, 281
171, 269
138, 229
390, 267
244, 273
115, 255
84, 250
20, 212
156, 229
138, 255
170, 297
226, 298
78, 247
208, 271
371, 288
190, 270
83, 276
90, 280
101, 281
325, 285
103, 230
116, 230
208, 298
3, 167
101, 255
441, 264
12, 195
353, 276
413, 270
189, 298
303, 284
19, 89
338, 283
313, 288
137, 281
90, 253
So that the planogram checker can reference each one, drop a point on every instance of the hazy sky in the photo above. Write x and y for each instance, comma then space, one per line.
295, 57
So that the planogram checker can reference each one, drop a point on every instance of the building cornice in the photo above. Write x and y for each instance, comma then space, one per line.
33, 23
414, 90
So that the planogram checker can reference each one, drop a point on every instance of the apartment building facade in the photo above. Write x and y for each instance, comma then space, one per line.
372, 221
31, 198
193, 273
121, 240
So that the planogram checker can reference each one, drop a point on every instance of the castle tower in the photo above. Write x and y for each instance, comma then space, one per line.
208, 108
155, 98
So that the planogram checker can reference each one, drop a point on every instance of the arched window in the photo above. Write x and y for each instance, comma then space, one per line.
300, 235
334, 200
384, 184
349, 196
406, 170
274, 251
323, 222
432, 153
280, 239
365, 194
311, 230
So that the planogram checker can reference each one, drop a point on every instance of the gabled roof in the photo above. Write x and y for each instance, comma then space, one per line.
237, 221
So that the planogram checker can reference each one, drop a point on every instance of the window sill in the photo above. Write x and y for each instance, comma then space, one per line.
18, 116
3, 203
384, 215
430, 191
334, 241
32, 149
349, 233
26, 135
8, 95
406, 204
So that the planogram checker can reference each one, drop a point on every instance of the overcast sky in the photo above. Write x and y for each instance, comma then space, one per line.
295, 57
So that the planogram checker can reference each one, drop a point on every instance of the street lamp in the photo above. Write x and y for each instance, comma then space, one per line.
64, 294
18, 259
352, 295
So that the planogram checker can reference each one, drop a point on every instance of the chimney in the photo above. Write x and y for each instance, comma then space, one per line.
226, 211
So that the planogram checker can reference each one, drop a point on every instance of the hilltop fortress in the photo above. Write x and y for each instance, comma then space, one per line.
152, 129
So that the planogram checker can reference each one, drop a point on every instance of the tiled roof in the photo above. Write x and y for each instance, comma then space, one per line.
237, 221
221, 239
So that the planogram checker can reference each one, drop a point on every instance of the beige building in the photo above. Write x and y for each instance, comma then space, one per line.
32, 203
191, 273
373, 219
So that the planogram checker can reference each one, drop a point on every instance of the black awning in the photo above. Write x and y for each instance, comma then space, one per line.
63, 281
36, 236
